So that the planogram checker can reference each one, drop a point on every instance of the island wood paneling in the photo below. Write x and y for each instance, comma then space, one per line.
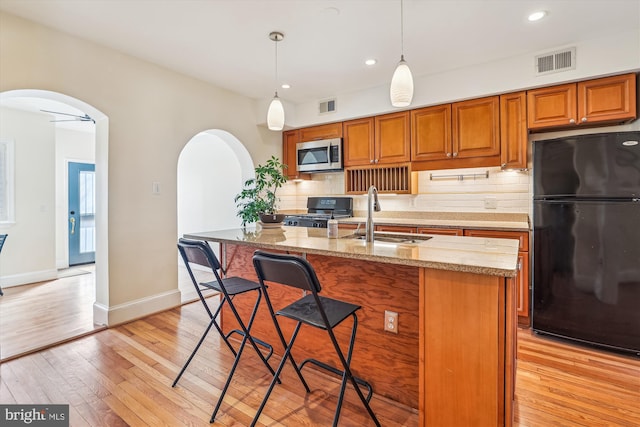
375, 286
470, 319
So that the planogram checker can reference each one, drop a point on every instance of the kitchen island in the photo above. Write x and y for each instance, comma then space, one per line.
452, 357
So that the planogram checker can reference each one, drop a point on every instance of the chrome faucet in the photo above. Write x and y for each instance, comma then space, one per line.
372, 193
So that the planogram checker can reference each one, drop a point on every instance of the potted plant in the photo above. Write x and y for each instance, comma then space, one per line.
257, 200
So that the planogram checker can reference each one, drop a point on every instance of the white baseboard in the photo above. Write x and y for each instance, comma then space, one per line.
122, 313
27, 278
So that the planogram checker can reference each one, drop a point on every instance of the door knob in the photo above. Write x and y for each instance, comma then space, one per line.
73, 225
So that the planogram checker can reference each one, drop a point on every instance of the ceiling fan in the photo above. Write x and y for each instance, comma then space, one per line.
76, 118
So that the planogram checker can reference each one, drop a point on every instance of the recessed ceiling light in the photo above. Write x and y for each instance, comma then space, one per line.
371, 62
536, 16
285, 86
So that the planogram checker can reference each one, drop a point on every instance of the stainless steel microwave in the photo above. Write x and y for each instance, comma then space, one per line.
319, 156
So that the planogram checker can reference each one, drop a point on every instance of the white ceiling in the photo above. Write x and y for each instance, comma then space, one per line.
326, 42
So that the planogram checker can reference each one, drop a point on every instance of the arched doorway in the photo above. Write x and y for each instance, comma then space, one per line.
212, 167
101, 188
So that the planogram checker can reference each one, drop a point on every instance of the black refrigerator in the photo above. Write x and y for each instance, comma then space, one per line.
586, 239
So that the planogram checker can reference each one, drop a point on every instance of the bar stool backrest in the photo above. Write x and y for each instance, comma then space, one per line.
286, 269
198, 252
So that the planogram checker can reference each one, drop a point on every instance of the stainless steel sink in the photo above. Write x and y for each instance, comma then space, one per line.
390, 238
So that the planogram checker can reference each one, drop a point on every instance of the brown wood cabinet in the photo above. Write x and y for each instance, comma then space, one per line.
328, 131
357, 148
521, 281
592, 102
513, 130
431, 133
392, 138
289, 140
377, 140
476, 127
462, 134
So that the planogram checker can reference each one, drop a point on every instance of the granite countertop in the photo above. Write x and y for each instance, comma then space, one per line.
469, 220
488, 256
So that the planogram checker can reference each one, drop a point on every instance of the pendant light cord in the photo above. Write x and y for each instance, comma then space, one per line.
276, 82
402, 30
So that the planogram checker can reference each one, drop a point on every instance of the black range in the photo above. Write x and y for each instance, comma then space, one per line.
319, 211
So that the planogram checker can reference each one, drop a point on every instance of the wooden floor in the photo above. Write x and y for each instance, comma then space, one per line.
38, 315
122, 376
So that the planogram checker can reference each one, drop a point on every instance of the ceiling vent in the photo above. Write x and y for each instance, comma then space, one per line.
555, 62
327, 106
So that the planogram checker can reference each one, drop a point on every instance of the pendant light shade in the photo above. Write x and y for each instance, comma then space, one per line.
275, 113
401, 90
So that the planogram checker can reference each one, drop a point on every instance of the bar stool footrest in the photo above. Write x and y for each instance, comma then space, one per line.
258, 341
339, 373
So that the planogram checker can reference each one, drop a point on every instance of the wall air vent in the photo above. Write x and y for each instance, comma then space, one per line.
555, 62
327, 106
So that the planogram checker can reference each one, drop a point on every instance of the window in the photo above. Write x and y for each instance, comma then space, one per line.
6, 181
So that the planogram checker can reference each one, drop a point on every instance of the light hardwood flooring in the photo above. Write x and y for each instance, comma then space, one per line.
122, 376
38, 315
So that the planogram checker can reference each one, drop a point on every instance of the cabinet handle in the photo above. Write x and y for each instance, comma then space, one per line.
448, 154
455, 154
584, 119
572, 121
371, 161
376, 161
504, 165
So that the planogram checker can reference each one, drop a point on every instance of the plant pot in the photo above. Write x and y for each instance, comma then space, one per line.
271, 218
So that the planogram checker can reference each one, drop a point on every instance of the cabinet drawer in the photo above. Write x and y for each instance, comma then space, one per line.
522, 236
395, 228
441, 231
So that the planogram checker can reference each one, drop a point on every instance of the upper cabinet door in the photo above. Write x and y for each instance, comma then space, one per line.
328, 131
392, 138
513, 131
289, 140
476, 127
358, 142
551, 106
431, 133
607, 99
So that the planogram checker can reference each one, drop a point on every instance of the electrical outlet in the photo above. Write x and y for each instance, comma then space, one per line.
391, 321
490, 203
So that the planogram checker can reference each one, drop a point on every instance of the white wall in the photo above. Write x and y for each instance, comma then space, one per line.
209, 177
71, 146
609, 54
29, 252
153, 113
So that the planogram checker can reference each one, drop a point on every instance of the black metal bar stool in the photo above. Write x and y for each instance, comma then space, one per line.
3, 237
200, 253
313, 310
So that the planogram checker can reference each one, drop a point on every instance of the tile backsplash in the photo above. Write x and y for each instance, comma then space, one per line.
438, 191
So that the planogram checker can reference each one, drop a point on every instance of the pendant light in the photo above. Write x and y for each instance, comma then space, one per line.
275, 113
401, 90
